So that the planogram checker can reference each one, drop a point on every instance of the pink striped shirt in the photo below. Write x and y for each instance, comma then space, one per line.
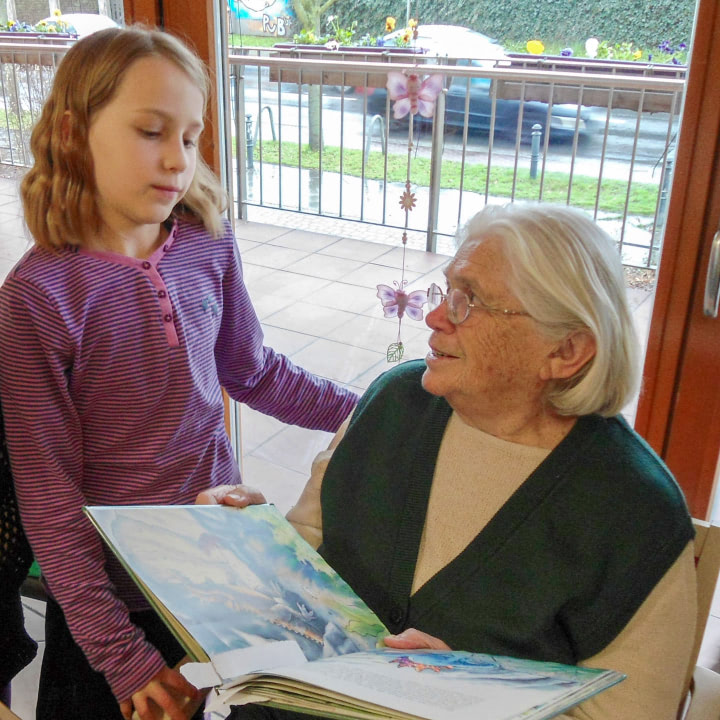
111, 378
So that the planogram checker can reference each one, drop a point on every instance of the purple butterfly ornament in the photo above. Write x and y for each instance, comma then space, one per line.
396, 302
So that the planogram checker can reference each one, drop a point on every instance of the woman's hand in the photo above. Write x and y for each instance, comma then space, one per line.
168, 691
236, 495
412, 639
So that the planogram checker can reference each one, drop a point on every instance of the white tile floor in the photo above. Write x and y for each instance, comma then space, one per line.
315, 296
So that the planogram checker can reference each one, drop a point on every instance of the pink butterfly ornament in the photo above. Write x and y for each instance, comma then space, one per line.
396, 302
412, 95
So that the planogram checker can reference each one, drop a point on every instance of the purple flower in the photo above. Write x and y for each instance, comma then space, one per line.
675, 61
380, 42
649, 57
682, 46
567, 52
665, 46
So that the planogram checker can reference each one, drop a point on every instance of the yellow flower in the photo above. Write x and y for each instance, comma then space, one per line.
56, 12
407, 35
389, 24
535, 47
412, 23
637, 54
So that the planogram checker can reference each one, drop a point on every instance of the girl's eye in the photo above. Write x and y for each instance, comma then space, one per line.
150, 133
190, 143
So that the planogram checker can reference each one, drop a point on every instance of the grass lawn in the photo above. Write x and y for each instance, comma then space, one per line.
613, 193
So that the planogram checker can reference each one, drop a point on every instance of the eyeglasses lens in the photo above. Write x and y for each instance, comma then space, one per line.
458, 306
457, 303
435, 296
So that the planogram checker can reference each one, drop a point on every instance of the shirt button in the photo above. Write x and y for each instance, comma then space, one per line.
161, 293
167, 318
396, 616
147, 265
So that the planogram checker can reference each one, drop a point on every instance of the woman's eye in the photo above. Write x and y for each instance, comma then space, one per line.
149, 133
190, 143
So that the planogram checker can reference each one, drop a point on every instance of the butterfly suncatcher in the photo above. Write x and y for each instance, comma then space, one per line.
396, 302
411, 95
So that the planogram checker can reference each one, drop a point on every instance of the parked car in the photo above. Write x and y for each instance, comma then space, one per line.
80, 24
465, 47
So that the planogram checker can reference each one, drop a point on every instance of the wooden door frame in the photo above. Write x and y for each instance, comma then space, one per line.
671, 414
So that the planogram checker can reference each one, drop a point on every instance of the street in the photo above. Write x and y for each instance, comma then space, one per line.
342, 125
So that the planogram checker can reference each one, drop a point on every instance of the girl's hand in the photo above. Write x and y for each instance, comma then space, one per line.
412, 639
236, 495
165, 696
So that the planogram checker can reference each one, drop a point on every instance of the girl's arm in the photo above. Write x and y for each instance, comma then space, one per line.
264, 379
45, 440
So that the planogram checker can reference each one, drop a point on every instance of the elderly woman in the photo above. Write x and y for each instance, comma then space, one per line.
491, 497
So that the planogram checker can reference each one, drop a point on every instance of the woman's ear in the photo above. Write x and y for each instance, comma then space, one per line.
568, 357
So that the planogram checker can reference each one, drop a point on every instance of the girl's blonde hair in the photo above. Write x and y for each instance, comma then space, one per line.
59, 192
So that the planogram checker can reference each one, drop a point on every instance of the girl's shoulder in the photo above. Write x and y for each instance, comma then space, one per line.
39, 264
190, 228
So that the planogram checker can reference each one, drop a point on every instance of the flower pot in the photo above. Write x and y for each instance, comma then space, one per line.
652, 101
313, 76
32, 57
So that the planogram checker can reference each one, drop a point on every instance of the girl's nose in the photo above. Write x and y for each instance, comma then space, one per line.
176, 155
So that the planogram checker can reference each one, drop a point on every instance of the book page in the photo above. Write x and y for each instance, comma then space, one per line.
439, 685
238, 577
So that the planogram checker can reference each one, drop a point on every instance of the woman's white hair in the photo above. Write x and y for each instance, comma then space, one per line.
568, 275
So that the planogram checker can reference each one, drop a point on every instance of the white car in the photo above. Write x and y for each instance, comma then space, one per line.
452, 41
80, 24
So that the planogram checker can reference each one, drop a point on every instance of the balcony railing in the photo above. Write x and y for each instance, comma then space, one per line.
609, 149
313, 133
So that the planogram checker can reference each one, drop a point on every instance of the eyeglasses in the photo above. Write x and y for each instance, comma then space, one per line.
459, 305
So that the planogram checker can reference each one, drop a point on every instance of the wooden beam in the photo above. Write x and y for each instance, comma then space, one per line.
146, 12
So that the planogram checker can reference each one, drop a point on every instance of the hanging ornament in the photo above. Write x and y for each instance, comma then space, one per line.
411, 95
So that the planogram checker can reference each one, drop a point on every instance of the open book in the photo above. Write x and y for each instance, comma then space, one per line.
273, 622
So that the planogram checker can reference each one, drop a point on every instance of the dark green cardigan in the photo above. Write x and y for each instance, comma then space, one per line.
558, 571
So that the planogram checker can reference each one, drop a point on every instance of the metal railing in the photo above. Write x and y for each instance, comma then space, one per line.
27, 68
310, 136
614, 160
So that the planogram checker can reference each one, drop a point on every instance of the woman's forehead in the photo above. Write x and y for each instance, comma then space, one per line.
479, 257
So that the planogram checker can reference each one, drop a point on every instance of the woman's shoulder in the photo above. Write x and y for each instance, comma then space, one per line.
612, 443
615, 465
402, 379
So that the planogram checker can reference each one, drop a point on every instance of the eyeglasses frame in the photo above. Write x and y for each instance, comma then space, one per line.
502, 312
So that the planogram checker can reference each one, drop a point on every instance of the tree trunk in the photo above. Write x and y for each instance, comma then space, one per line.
314, 112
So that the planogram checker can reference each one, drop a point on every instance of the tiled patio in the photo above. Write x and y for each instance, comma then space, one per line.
316, 298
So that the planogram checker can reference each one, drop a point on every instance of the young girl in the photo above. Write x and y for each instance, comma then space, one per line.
118, 330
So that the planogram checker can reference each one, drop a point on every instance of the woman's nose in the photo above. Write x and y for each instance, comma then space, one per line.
437, 319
